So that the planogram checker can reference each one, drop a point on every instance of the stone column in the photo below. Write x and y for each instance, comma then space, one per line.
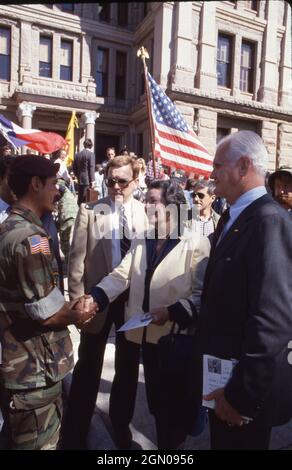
285, 88
183, 65
162, 39
88, 119
268, 92
24, 113
206, 78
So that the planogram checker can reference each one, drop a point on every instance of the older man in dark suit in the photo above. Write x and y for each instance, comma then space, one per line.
246, 311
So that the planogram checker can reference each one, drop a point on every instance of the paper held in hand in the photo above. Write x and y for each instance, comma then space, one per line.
216, 373
136, 321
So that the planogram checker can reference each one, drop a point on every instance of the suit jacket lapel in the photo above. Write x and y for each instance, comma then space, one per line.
233, 234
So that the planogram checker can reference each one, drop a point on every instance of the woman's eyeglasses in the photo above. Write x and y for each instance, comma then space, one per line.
200, 195
123, 183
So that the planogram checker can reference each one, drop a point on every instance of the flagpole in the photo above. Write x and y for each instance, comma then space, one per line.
143, 53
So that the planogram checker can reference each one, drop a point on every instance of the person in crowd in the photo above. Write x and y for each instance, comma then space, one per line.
203, 197
83, 168
150, 169
6, 150
63, 171
164, 176
246, 309
124, 150
140, 191
280, 183
94, 253
110, 154
99, 180
188, 190
66, 214
162, 271
36, 347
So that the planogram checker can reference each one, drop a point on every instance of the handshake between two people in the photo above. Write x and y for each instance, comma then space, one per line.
83, 310
77, 312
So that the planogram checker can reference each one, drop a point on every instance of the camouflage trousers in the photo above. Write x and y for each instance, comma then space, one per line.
33, 417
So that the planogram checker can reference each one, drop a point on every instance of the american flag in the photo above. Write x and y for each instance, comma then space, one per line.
175, 142
39, 244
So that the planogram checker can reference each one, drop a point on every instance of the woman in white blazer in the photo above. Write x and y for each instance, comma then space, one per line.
164, 272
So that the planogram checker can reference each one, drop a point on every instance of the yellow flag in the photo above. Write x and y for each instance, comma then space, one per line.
69, 147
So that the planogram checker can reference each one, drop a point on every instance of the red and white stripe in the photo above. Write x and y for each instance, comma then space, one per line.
182, 150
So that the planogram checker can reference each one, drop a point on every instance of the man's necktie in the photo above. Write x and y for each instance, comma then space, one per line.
220, 226
125, 242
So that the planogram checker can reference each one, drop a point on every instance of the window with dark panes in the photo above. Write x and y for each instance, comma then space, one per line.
45, 57
247, 67
224, 54
105, 12
66, 60
122, 14
221, 133
121, 73
5, 56
102, 72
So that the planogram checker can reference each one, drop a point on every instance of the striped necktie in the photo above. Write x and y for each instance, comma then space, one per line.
125, 242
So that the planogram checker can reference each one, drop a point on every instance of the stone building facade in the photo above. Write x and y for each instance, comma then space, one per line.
226, 65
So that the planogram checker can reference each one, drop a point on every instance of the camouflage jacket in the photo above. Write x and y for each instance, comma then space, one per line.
32, 355
67, 210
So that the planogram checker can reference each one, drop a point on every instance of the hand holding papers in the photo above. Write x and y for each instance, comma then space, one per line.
216, 373
137, 321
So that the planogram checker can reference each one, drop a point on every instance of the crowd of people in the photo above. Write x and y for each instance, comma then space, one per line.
210, 259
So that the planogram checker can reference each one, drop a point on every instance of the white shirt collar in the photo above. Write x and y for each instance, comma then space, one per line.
244, 201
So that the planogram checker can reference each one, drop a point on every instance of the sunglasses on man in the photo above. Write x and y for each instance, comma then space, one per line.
122, 182
200, 195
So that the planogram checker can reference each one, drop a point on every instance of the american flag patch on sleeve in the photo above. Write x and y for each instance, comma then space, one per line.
39, 244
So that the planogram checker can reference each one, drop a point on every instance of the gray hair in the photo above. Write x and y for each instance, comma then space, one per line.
248, 144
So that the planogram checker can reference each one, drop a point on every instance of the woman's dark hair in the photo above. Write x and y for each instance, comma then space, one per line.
171, 192
19, 183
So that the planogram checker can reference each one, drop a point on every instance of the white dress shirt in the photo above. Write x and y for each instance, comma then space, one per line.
242, 203
116, 247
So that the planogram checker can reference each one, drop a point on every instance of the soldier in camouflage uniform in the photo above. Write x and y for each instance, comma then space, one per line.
36, 346
67, 211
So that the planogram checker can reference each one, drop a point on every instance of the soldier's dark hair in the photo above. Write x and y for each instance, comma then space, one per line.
5, 162
19, 183
87, 144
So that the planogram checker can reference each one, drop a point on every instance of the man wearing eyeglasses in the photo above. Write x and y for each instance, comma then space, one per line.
203, 197
94, 254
